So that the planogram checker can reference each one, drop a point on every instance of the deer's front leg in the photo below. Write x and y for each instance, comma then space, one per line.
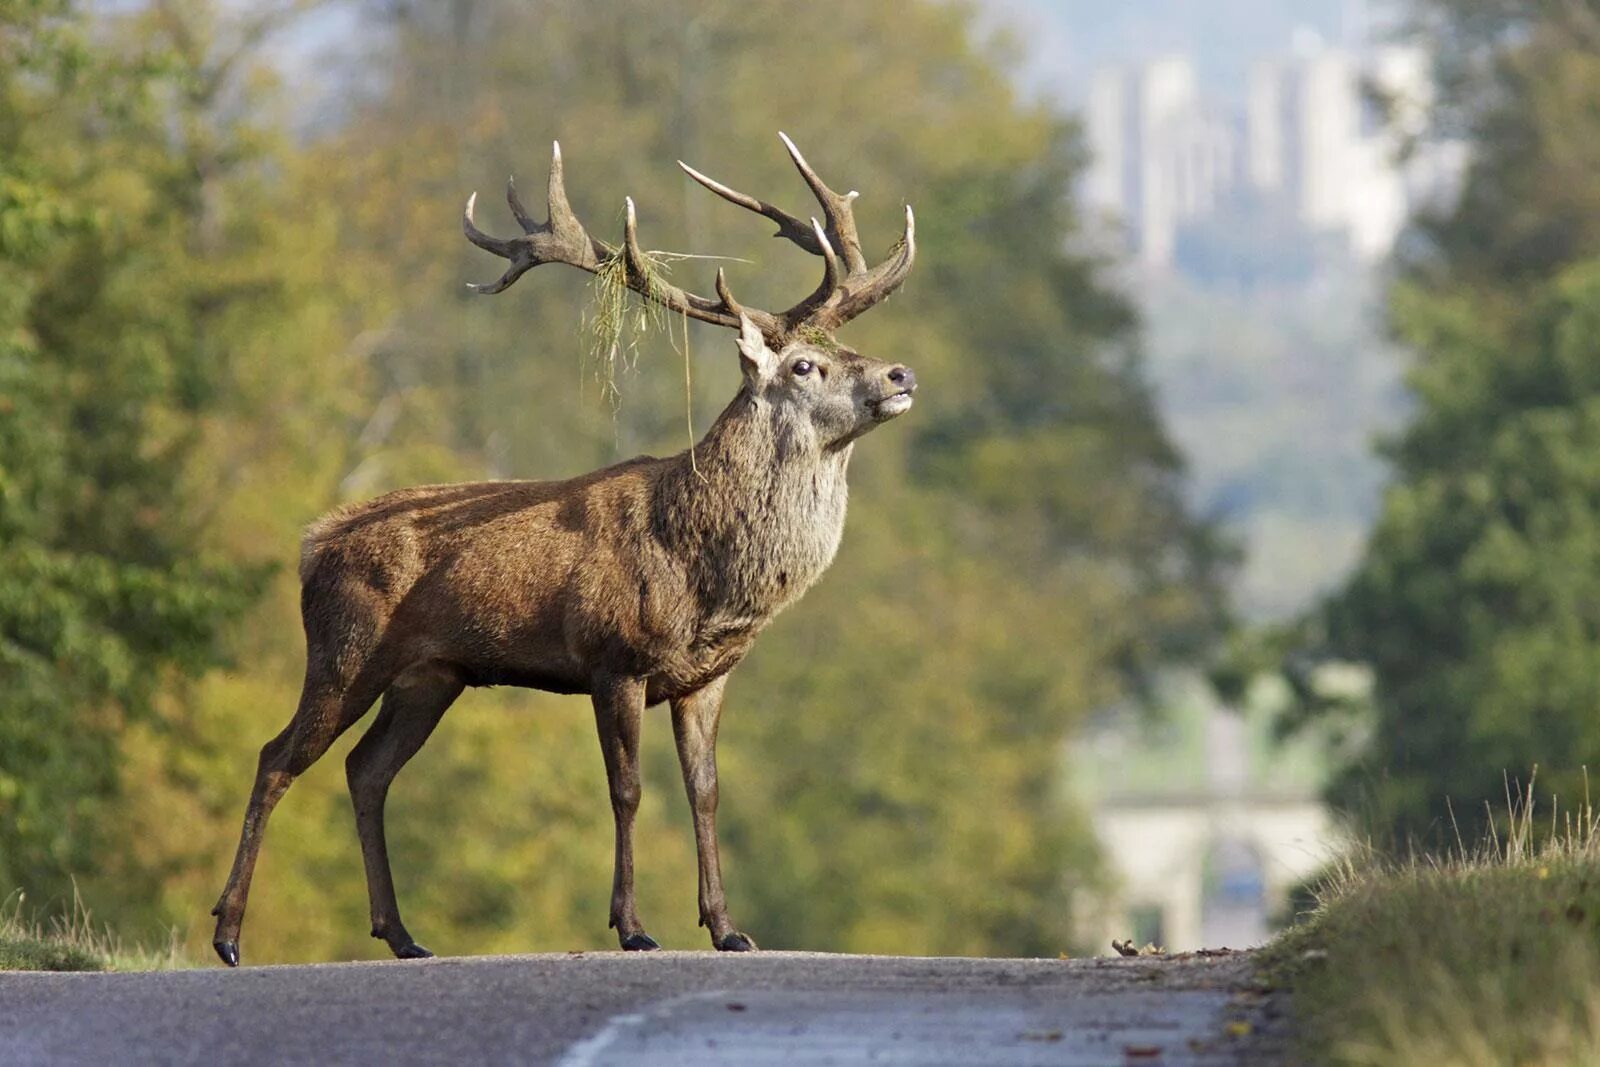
694, 725
618, 709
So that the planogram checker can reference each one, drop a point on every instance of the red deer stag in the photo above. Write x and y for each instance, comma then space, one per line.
644, 582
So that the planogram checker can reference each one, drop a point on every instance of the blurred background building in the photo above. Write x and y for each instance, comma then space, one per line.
1208, 819
1312, 139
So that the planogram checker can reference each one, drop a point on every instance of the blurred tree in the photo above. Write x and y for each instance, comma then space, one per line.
104, 596
1518, 78
1476, 602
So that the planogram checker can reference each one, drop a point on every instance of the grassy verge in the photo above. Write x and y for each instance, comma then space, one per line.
1487, 957
73, 943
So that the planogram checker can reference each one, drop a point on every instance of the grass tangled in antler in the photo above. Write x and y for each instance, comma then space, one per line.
619, 319
616, 322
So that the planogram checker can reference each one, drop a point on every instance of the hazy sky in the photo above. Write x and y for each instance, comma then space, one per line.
1065, 40
1068, 39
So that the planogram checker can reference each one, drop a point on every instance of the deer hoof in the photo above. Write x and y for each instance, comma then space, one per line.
736, 942
413, 951
640, 942
228, 951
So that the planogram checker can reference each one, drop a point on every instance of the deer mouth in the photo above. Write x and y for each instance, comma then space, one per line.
889, 406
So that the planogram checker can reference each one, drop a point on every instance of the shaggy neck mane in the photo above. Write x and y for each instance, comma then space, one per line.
758, 510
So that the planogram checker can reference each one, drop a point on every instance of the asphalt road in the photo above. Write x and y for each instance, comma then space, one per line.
663, 1008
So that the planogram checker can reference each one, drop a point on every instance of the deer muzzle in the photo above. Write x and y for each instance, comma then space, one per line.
900, 383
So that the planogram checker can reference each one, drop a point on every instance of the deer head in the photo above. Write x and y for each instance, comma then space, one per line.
824, 394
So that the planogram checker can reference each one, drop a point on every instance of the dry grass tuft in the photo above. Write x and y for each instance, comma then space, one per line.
1488, 955
618, 320
74, 943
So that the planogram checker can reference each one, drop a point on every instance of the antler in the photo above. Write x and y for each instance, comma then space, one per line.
843, 294
846, 289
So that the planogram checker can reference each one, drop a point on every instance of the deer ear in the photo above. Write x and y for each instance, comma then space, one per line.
757, 360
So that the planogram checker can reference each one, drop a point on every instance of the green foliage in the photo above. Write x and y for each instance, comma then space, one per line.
1519, 79
103, 591
1475, 603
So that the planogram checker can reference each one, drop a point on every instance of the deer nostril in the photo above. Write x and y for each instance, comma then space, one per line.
903, 378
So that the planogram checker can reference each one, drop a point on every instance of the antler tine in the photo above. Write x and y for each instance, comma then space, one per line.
836, 209
519, 212
831, 274
562, 222
560, 239
832, 280
789, 226
477, 236
872, 287
726, 295
632, 253
504, 249
560, 217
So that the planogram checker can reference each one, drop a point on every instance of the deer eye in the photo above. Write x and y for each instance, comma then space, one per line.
802, 367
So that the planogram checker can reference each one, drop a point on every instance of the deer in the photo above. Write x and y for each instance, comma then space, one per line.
638, 584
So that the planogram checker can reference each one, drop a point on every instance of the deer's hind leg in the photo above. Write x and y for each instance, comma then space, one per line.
412, 707
327, 708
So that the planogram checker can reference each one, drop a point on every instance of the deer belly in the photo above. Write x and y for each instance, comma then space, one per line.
527, 658
524, 648
562, 682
